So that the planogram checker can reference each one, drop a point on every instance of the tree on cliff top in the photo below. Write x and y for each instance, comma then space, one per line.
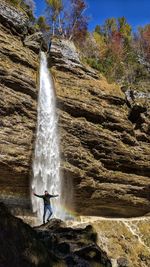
42, 25
77, 20
112, 45
54, 8
67, 20
144, 39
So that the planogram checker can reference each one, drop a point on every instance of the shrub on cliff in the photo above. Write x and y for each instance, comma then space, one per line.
67, 19
115, 51
42, 25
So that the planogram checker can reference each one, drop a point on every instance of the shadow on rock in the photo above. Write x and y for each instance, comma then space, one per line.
52, 244
75, 246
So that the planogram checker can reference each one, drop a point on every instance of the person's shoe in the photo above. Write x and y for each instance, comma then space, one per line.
43, 222
47, 220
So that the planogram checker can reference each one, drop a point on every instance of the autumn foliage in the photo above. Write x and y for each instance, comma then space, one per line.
67, 21
117, 52
112, 48
145, 40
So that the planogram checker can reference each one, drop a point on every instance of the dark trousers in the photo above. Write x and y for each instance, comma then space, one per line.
49, 209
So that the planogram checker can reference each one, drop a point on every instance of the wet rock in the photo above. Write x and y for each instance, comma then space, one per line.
75, 246
47, 245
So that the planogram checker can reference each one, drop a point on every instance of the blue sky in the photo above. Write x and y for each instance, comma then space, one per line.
137, 12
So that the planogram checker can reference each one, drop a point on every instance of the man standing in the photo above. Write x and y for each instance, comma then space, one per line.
47, 205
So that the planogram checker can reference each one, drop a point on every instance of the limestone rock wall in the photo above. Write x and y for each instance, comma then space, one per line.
104, 135
18, 106
105, 153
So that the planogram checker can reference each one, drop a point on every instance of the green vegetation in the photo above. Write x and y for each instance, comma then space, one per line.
67, 21
54, 9
118, 53
112, 49
42, 25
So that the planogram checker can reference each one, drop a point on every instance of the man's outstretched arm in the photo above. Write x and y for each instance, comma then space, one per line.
53, 196
41, 196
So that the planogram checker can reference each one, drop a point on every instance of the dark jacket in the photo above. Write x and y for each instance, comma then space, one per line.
46, 198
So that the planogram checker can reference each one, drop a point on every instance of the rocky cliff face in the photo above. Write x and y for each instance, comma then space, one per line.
104, 134
104, 139
105, 142
18, 104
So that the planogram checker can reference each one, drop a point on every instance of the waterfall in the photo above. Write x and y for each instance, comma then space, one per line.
46, 164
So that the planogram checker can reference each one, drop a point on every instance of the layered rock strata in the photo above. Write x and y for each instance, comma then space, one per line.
105, 145
104, 139
19, 64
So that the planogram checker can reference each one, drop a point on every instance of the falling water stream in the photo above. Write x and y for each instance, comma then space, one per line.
46, 164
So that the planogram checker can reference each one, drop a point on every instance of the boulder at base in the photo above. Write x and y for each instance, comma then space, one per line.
47, 245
